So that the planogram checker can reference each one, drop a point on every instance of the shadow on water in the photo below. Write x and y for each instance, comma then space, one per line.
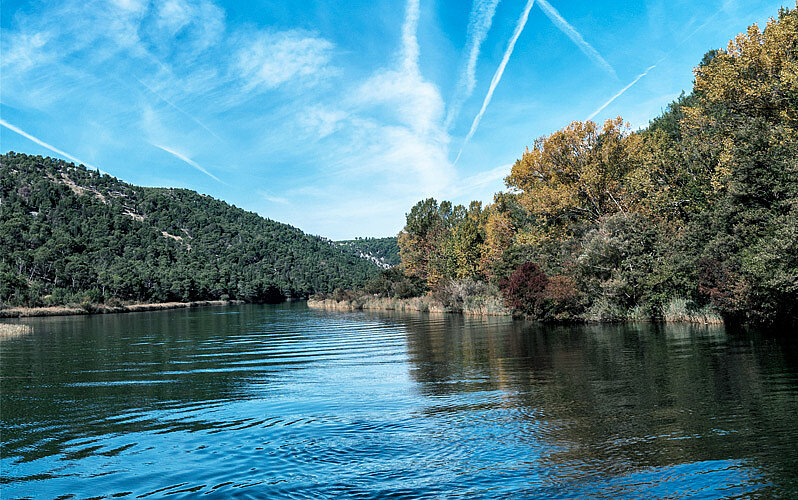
286, 402
621, 400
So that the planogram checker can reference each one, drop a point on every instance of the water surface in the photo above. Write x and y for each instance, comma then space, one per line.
287, 402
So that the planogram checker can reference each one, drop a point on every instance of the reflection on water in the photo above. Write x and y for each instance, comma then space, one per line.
282, 401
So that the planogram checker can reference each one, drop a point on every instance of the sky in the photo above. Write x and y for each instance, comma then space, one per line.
338, 116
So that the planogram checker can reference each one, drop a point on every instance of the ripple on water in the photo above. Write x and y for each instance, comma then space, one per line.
285, 402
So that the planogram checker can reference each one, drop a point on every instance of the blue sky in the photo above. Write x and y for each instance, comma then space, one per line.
337, 116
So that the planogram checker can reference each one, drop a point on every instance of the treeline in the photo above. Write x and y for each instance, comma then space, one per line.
72, 235
697, 211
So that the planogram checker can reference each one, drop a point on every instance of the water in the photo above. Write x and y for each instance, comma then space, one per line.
287, 402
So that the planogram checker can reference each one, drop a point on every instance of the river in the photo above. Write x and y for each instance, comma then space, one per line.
287, 402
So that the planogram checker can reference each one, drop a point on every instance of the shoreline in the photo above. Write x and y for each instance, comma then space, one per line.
485, 309
32, 312
416, 304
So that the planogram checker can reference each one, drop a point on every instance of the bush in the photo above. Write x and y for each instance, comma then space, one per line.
394, 282
619, 265
563, 302
525, 290
454, 294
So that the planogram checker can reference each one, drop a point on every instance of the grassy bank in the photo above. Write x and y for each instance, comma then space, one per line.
71, 310
677, 310
473, 306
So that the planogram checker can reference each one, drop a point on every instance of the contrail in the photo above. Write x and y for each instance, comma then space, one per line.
641, 75
497, 76
167, 101
189, 161
574, 35
479, 24
620, 93
45, 145
409, 39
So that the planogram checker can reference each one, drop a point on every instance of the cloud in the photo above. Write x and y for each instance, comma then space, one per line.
577, 38
44, 144
479, 23
23, 51
389, 148
407, 97
174, 15
189, 161
497, 76
620, 93
410, 49
398, 116
273, 199
482, 185
323, 122
272, 59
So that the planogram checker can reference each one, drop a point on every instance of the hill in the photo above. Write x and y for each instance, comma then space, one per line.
70, 234
382, 251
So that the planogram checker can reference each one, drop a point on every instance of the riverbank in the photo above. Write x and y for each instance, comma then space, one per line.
675, 312
478, 306
73, 310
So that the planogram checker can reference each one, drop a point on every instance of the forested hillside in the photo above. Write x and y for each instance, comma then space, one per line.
697, 211
69, 234
383, 251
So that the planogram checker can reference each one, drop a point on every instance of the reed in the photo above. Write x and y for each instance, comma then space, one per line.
9, 331
474, 306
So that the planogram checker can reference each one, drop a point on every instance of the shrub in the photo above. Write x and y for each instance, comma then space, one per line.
525, 290
563, 302
454, 294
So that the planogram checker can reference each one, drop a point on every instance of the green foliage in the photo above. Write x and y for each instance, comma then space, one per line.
70, 234
394, 283
619, 263
426, 246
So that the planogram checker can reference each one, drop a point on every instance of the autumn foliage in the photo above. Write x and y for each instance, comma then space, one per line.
603, 222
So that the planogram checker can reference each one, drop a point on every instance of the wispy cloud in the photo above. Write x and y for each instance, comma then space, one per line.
273, 199
574, 35
410, 50
480, 186
382, 144
620, 92
479, 23
189, 161
497, 76
269, 60
44, 144
415, 141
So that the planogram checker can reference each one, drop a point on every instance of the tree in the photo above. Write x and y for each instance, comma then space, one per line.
575, 173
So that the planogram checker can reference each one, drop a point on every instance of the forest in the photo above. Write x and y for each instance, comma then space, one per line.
70, 235
697, 211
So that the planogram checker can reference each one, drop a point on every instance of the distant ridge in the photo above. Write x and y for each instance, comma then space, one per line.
70, 235
382, 251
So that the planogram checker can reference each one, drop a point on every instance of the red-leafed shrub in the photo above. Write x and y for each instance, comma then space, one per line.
528, 290
525, 289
